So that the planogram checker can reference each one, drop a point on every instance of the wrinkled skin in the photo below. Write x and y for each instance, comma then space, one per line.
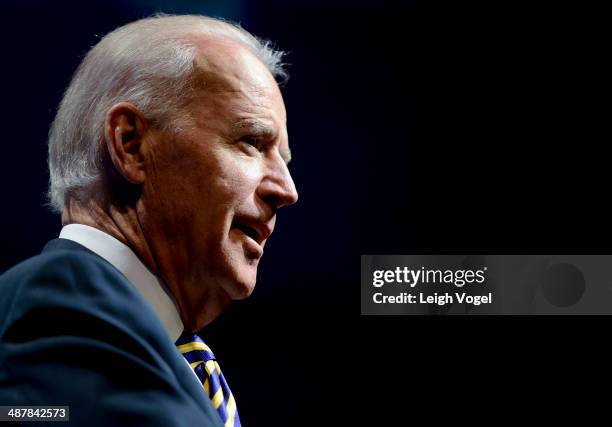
209, 192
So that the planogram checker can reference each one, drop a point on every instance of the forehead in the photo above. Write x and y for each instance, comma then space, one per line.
237, 96
237, 79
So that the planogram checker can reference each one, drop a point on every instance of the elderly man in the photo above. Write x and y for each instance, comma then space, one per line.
168, 162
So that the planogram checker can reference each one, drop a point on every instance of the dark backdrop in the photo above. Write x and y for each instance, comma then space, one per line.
414, 129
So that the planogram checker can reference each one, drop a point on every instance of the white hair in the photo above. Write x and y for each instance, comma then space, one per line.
149, 63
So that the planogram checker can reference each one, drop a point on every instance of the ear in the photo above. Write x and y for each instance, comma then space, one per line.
125, 131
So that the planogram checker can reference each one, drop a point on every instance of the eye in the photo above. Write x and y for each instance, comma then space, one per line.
252, 142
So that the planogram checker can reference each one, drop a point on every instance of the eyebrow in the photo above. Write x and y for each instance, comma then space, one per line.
261, 130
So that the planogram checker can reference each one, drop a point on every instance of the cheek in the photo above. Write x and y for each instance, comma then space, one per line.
212, 183
237, 178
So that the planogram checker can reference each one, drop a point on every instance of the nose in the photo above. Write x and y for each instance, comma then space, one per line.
277, 188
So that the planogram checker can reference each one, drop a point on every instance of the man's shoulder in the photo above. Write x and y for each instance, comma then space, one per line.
64, 269
59, 258
57, 254
74, 331
67, 281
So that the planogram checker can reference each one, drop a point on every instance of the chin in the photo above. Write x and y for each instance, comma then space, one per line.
242, 285
239, 272
241, 290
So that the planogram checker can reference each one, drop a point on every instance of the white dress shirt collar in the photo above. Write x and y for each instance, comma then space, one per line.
125, 260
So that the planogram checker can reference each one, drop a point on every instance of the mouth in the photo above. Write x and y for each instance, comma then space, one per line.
257, 231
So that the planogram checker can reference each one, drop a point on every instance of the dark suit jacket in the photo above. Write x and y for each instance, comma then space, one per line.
74, 331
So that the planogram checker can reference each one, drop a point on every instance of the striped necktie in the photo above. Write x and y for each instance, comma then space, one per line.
204, 364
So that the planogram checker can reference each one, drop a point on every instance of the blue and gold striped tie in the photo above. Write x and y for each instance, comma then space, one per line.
203, 362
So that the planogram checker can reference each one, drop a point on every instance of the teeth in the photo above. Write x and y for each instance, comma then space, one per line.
251, 232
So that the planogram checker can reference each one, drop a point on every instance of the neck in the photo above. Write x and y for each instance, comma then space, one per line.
125, 225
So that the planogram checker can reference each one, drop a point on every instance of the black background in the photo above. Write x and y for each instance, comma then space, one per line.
446, 128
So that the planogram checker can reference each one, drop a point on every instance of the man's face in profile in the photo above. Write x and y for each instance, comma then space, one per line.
212, 192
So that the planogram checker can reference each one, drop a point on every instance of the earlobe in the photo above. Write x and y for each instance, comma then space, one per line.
125, 141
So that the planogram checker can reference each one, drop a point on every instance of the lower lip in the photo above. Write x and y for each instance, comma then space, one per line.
255, 249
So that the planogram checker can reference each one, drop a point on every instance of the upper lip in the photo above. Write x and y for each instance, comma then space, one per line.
260, 229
